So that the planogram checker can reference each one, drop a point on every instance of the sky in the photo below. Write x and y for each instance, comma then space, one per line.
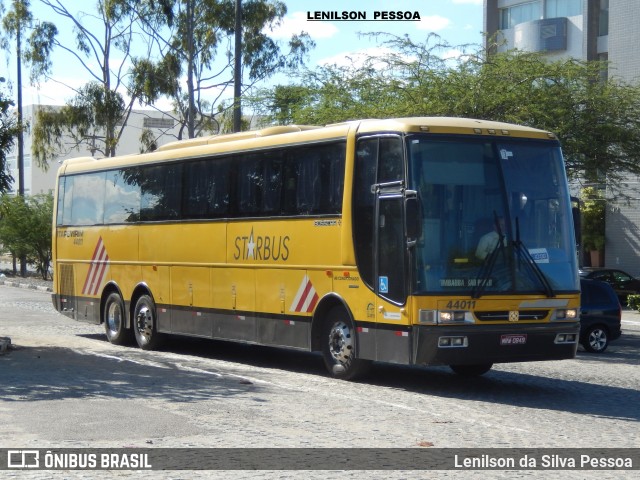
457, 22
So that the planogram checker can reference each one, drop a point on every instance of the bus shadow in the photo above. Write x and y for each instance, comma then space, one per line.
497, 386
516, 389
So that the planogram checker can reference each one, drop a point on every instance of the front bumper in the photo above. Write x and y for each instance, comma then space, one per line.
495, 343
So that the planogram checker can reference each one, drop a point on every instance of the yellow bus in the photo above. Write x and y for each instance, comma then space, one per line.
417, 241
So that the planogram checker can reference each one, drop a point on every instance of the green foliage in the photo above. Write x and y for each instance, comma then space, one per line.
25, 228
8, 131
593, 219
17, 18
148, 141
84, 121
633, 302
97, 115
40, 46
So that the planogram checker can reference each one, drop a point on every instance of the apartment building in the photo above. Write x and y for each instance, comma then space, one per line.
587, 30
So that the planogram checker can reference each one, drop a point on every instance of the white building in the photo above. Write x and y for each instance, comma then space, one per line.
36, 180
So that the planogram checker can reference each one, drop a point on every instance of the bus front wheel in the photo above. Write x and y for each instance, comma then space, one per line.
471, 370
114, 321
339, 347
145, 324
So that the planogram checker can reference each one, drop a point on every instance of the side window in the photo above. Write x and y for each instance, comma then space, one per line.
87, 200
61, 196
309, 188
272, 173
621, 277
121, 198
249, 183
332, 171
67, 201
206, 189
313, 179
161, 192
390, 162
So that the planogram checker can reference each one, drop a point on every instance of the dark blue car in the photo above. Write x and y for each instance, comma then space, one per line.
600, 315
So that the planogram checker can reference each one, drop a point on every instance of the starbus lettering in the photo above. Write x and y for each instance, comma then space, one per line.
262, 247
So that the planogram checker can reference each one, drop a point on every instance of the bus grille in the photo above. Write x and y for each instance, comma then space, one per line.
67, 285
504, 315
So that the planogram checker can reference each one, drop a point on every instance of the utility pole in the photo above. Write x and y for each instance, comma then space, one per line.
237, 72
191, 115
23, 258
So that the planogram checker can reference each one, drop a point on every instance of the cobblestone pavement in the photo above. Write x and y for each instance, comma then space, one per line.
63, 385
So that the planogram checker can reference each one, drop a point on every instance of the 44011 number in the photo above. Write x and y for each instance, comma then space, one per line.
461, 304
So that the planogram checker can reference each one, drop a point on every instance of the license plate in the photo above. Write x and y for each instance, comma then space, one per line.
519, 339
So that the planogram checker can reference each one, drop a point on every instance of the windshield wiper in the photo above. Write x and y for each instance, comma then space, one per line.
527, 259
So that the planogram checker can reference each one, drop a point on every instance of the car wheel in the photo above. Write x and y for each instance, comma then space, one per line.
596, 339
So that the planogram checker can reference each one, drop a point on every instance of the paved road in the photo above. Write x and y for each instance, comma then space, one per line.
65, 386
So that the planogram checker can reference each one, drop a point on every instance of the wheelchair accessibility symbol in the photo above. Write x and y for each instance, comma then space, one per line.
383, 284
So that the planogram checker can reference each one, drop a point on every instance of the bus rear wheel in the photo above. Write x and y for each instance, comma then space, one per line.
145, 324
113, 316
471, 370
339, 347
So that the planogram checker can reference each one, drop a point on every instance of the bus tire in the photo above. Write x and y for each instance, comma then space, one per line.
471, 370
145, 324
339, 346
113, 316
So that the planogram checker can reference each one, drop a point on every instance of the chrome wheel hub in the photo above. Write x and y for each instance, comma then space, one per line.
114, 318
341, 342
144, 322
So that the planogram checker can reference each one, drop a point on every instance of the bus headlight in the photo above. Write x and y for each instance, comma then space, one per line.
439, 317
451, 317
568, 315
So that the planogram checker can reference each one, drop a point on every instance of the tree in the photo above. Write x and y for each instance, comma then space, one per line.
593, 219
597, 120
81, 122
8, 131
14, 23
192, 36
25, 228
97, 116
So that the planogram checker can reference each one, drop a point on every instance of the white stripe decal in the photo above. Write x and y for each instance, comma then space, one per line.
306, 298
97, 270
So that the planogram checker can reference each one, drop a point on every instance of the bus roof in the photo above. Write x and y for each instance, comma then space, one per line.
453, 125
300, 134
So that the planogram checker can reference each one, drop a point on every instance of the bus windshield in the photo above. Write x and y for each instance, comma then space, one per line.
496, 217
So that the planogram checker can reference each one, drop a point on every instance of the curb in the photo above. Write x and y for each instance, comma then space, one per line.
9, 283
5, 345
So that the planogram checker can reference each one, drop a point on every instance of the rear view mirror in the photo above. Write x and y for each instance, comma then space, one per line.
413, 225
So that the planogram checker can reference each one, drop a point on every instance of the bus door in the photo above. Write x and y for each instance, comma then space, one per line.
380, 245
393, 341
